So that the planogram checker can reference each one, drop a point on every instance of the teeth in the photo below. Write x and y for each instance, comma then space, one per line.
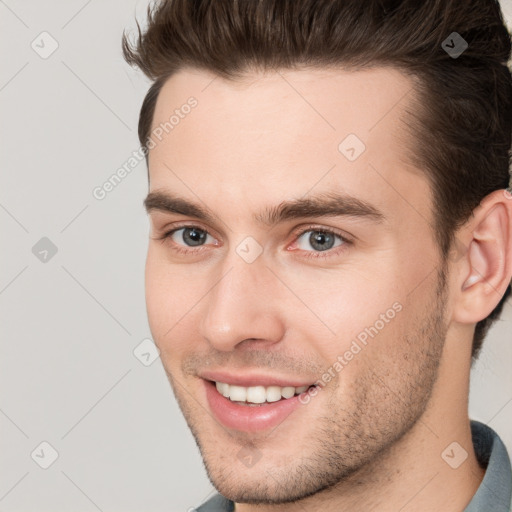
288, 392
237, 393
273, 393
223, 389
257, 394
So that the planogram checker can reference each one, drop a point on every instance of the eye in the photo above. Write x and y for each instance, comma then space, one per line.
319, 239
190, 236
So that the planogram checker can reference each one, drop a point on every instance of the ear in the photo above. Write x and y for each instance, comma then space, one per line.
485, 271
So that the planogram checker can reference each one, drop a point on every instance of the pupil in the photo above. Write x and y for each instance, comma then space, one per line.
192, 236
321, 241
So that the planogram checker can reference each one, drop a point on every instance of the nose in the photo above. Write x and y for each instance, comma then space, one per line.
243, 305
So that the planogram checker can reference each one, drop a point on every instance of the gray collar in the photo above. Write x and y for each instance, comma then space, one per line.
495, 491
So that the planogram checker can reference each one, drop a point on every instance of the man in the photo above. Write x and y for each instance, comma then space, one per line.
331, 238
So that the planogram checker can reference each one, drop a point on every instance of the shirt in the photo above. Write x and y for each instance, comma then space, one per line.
494, 493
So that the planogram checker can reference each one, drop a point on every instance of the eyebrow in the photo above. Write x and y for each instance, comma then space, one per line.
329, 204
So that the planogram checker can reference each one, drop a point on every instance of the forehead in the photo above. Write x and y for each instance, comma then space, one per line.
286, 132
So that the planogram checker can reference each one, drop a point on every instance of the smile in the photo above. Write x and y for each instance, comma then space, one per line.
254, 395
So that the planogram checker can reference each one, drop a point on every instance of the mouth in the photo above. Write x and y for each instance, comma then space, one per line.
257, 395
254, 408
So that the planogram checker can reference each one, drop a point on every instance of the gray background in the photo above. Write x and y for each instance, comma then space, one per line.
71, 323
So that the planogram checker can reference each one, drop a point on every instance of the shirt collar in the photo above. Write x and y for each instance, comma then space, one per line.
495, 490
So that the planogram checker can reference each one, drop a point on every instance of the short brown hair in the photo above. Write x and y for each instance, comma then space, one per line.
463, 127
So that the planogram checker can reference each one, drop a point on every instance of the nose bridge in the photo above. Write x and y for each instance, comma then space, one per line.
241, 305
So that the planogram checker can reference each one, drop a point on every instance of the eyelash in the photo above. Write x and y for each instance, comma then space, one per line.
309, 254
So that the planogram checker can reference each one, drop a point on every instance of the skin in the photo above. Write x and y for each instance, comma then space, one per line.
372, 438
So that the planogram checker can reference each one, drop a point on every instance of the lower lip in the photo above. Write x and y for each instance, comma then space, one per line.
249, 418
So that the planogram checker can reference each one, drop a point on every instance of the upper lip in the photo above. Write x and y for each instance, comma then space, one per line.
249, 379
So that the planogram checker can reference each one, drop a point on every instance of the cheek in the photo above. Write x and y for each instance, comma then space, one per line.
365, 347
171, 295
367, 311
342, 305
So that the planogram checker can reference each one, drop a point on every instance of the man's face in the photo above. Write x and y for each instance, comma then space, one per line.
347, 298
